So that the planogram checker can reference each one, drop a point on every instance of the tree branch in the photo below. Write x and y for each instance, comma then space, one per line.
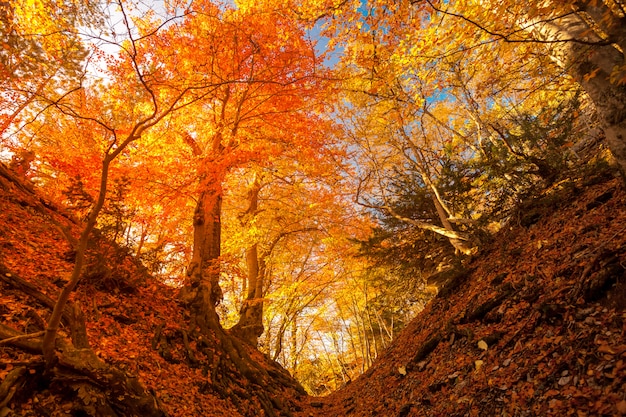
508, 39
10, 340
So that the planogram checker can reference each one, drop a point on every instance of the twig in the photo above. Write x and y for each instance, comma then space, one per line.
21, 337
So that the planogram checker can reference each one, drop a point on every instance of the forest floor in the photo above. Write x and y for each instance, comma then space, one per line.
533, 326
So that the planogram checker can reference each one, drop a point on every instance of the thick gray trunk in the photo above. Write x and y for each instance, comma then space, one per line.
592, 65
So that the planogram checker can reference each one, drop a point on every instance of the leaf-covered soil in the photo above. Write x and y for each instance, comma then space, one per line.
133, 322
534, 326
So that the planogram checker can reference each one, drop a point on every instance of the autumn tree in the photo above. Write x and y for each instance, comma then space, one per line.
266, 236
41, 50
295, 209
267, 107
426, 107
585, 39
109, 119
116, 132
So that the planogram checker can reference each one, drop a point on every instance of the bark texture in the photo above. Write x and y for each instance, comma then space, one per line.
204, 270
588, 44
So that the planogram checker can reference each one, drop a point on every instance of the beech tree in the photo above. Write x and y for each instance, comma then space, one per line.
585, 38
290, 209
264, 105
267, 236
158, 100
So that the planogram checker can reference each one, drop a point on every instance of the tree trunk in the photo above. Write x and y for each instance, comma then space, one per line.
591, 65
48, 343
204, 269
458, 241
278, 344
293, 351
250, 325
460, 245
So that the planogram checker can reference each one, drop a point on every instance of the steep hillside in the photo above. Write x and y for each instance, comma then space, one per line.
534, 326
135, 325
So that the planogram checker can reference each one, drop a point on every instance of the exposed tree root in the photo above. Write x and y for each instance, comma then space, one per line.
428, 346
98, 389
123, 393
232, 373
31, 290
9, 385
20, 340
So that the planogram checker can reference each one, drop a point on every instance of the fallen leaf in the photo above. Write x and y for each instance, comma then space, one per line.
606, 349
564, 380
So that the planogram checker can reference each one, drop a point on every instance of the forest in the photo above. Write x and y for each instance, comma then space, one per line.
275, 207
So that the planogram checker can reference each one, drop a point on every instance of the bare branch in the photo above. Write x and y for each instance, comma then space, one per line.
509, 37
10, 340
